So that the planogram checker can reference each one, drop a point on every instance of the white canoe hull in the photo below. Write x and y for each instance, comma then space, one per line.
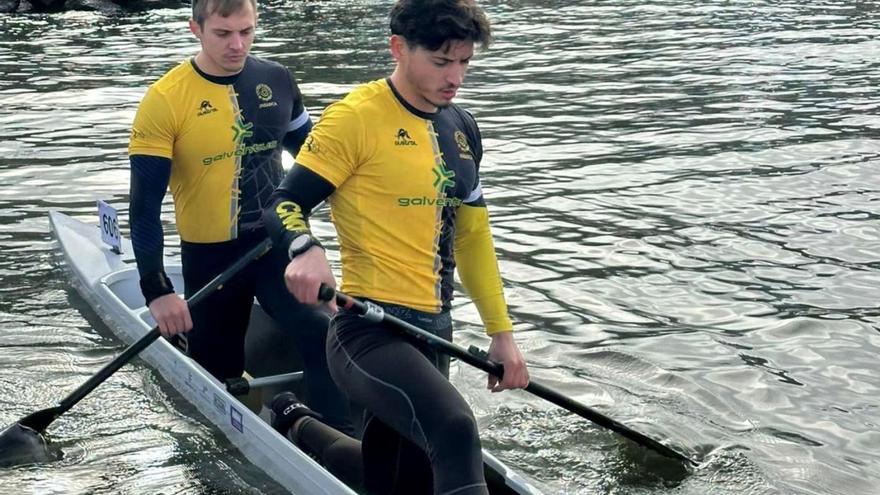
109, 283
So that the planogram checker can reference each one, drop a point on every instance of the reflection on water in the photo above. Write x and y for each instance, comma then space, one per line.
684, 199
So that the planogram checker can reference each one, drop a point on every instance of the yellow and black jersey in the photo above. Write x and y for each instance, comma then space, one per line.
223, 137
404, 179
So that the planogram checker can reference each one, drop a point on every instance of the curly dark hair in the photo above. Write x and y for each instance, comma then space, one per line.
432, 24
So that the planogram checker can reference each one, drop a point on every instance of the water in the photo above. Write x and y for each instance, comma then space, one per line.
684, 198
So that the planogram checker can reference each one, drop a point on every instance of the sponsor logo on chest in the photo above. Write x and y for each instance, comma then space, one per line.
444, 178
241, 130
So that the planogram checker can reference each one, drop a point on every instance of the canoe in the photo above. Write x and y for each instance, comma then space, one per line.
109, 283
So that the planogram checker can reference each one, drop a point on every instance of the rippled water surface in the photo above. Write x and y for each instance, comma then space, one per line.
685, 201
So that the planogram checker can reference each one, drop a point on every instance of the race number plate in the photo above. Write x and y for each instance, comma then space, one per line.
109, 226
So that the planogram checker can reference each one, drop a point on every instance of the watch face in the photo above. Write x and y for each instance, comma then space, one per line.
299, 245
299, 242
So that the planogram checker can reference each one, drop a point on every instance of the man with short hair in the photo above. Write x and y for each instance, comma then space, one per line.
399, 162
214, 128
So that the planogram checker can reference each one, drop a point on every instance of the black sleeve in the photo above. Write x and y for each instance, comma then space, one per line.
475, 139
287, 216
294, 139
300, 121
149, 181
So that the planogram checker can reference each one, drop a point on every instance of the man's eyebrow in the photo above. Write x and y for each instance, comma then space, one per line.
451, 59
219, 29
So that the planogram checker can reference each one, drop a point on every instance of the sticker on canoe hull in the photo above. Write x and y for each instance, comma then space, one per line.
220, 404
235, 419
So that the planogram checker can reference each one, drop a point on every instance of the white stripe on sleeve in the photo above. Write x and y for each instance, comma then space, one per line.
475, 194
299, 121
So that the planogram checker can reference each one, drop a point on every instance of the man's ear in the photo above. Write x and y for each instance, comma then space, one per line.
195, 29
398, 45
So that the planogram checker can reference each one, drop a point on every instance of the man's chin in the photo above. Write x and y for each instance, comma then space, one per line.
234, 67
441, 102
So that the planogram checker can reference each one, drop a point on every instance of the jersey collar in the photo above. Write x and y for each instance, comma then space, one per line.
224, 80
412, 109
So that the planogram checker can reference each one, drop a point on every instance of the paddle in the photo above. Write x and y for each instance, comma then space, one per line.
479, 359
40, 420
243, 386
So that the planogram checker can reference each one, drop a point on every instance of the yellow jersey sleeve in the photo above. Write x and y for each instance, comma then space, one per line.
336, 145
478, 267
153, 130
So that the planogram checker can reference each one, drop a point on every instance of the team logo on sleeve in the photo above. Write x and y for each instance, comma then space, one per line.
312, 145
403, 139
264, 93
463, 145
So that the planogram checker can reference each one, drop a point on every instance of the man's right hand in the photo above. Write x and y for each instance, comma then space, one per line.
305, 274
171, 314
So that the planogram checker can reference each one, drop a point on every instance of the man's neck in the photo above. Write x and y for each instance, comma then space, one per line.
208, 67
405, 90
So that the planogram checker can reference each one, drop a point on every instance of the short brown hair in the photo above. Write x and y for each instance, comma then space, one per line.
431, 24
202, 9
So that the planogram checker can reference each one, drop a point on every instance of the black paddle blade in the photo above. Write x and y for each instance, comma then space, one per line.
20, 444
41, 419
23, 443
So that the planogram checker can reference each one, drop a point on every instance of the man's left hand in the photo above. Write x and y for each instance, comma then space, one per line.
503, 350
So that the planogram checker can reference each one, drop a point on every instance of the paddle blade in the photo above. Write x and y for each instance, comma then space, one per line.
20, 444
41, 419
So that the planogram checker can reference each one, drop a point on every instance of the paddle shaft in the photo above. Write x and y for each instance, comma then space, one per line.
242, 386
479, 359
40, 422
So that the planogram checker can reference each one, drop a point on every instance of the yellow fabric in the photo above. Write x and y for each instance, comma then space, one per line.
385, 208
478, 267
172, 122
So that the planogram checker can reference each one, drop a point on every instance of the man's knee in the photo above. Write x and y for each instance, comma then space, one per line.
454, 432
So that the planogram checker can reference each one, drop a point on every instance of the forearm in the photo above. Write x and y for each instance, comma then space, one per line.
297, 134
149, 181
478, 268
290, 206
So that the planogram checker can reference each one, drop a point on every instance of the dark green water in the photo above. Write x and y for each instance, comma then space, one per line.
685, 200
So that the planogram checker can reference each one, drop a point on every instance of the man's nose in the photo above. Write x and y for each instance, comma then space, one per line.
455, 75
236, 42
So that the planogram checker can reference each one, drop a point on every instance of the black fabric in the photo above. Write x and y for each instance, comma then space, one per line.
155, 285
219, 324
394, 465
149, 181
294, 139
339, 453
309, 190
287, 409
412, 398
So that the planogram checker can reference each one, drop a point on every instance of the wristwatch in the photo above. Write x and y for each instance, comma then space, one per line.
301, 244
